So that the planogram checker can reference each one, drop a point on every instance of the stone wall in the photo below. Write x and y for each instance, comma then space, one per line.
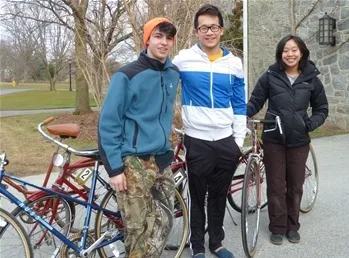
270, 20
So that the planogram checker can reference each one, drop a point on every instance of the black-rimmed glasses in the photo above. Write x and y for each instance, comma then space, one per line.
213, 28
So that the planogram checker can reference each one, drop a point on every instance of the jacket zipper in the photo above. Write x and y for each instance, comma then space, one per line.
163, 100
167, 93
123, 133
211, 87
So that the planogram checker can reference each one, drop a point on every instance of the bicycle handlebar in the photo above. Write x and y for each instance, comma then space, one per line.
178, 131
3, 161
64, 146
277, 123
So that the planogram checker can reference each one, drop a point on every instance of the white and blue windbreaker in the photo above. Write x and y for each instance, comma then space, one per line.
213, 95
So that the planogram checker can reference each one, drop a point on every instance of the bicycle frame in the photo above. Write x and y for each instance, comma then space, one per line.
65, 171
89, 206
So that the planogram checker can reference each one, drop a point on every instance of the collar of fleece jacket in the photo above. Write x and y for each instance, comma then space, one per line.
153, 63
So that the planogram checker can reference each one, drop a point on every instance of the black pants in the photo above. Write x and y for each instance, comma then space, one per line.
285, 171
211, 166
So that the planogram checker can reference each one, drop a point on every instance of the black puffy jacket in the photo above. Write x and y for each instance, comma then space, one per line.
291, 103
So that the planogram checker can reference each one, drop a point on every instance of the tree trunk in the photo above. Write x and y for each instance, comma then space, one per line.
51, 79
82, 92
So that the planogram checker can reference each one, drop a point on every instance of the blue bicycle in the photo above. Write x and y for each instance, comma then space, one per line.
52, 217
77, 245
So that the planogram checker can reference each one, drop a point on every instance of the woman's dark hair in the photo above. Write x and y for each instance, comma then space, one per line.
302, 47
168, 28
208, 9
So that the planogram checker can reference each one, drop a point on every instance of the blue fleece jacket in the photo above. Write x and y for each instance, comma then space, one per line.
136, 116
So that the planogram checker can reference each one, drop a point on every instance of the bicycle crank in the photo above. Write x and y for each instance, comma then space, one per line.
67, 252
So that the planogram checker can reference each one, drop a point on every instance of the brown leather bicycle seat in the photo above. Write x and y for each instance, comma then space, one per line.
64, 130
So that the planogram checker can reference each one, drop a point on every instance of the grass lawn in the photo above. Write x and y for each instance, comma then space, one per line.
36, 86
39, 99
28, 152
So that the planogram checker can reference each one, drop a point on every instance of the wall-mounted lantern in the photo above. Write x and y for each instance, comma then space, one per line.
327, 25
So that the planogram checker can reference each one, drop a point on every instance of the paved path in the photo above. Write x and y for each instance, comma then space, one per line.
324, 231
31, 112
8, 91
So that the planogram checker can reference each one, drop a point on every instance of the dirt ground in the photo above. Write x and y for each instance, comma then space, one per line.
88, 123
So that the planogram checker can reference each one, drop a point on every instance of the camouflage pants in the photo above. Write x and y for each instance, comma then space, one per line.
146, 224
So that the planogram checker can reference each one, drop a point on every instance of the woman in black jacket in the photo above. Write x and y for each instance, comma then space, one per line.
290, 85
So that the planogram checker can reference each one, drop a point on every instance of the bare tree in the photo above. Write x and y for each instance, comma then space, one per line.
98, 27
22, 56
7, 60
49, 42
181, 12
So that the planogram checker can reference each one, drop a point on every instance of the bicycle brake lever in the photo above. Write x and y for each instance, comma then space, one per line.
278, 121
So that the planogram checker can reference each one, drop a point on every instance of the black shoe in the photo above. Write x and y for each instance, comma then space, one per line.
293, 236
276, 239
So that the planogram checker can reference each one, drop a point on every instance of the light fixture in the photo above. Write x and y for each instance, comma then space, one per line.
326, 27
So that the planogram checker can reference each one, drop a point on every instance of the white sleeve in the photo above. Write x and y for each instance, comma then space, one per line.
239, 129
177, 61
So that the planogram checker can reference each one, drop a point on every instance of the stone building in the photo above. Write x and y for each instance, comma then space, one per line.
270, 20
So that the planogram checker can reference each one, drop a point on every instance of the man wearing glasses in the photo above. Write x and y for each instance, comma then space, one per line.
214, 118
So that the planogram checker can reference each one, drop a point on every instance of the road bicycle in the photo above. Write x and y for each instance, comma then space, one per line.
253, 200
73, 179
108, 229
310, 186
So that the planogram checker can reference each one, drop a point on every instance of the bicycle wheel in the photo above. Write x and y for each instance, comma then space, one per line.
114, 227
56, 212
250, 207
311, 183
14, 241
235, 191
178, 236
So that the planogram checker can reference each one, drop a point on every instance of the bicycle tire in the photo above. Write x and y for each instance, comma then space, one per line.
234, 194
98, 229
8, 221
181, 214
311, 182
43, 241
250, 208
